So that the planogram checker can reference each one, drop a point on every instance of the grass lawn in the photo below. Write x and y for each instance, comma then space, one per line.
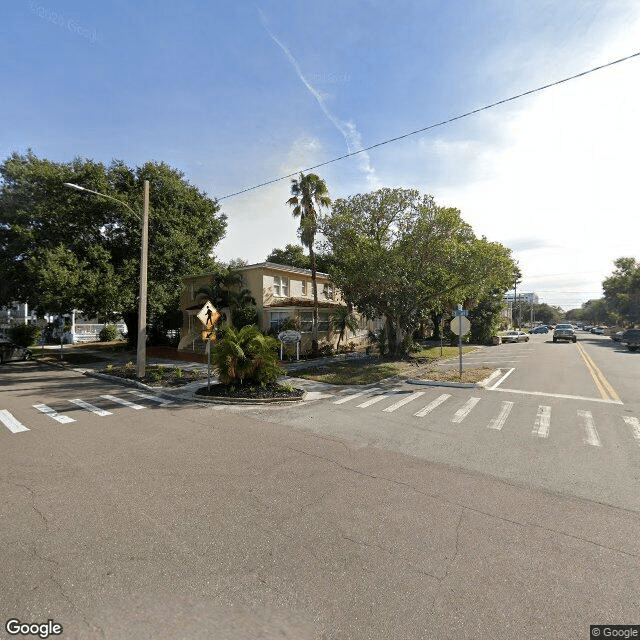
447, 352
369, 372
354, 373
68, 357
476, 374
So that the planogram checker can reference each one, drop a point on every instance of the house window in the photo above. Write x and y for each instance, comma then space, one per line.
280, 286
278, 318
329, 292
304, 287
323, 321
306, 320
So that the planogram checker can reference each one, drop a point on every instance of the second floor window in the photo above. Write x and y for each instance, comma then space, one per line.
304, 288
280, 286
328, 291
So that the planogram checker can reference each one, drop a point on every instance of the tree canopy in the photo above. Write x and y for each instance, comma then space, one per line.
62, 249
622, 290
292, 255
398, 255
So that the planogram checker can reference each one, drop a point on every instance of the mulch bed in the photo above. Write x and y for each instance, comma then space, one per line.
251, 392
169, 379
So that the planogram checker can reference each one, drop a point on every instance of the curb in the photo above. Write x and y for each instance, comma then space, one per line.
246, 401
461, 385
160, 391
445, 383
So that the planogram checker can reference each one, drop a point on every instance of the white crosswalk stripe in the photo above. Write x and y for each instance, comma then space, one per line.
351, 396
543, 420
432, 405
126, 403
147, 396
634, 423
10, 422
498, 422
90, 407
464, 411
368, 403
53, 414
591, 435
407, 400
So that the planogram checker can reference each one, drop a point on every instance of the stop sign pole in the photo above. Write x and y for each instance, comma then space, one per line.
460, 327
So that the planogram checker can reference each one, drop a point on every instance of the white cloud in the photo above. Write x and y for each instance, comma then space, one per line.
352, 137
261, 220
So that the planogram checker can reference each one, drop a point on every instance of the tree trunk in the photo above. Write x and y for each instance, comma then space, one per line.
130, 318
314, 286
436, 318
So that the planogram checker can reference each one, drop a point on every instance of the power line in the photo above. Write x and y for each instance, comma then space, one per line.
437, 124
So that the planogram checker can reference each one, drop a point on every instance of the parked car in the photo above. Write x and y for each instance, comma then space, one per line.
541, 329
631, 337
617, 336
11, 351
515, 336
587, 327
598, 331
564, 332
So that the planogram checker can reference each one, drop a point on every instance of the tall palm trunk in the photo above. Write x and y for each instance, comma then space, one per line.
314, 287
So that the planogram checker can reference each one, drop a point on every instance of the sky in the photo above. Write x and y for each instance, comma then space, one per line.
234, 94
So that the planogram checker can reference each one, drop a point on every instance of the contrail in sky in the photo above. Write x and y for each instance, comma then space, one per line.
348, 130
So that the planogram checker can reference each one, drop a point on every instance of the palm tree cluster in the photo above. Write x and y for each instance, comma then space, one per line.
246, 356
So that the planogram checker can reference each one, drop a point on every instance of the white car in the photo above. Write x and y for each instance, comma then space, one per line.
515, 336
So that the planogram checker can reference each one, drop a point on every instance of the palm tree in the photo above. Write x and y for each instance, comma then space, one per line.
246, 356
342, 319
227, 291
307, 192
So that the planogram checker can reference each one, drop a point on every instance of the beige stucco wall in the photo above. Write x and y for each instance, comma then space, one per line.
259, 280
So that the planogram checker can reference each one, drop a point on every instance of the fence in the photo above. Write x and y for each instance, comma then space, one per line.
91, 332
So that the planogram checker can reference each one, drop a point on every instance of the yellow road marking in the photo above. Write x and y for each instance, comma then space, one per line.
605, 389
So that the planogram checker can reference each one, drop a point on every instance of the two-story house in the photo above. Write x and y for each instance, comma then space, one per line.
281, 293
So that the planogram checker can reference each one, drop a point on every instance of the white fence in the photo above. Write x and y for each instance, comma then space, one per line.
91, 332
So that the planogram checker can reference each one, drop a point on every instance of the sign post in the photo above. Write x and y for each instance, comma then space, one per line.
208, 315
460, 325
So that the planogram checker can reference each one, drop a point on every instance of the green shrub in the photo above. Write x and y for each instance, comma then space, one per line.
109, 333
24, 334
178, 373
325, 350
246, 356
244, 316
155, 374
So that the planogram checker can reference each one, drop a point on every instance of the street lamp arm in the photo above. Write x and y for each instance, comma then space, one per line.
77, 187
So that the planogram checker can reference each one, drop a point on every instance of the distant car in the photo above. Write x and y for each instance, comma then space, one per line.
515, 336
598, 331
564, 332
11, 351
631, 337
587, 327
541, 329
617, 337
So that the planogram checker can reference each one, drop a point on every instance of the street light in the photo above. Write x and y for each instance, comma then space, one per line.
141, 355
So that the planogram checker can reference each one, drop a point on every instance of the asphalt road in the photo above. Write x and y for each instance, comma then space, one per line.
474, 519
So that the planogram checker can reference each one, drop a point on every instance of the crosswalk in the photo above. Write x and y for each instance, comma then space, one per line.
15, 425
374, 399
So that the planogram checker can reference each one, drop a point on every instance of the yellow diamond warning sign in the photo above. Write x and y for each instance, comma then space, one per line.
208, 315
